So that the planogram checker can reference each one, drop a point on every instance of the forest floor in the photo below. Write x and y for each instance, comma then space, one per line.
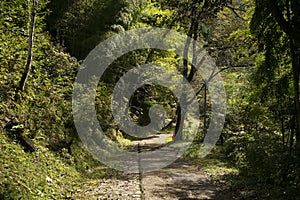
180, 180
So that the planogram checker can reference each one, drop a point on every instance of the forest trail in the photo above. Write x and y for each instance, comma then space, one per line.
180, 180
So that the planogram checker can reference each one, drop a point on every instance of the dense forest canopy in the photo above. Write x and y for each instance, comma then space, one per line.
254, 43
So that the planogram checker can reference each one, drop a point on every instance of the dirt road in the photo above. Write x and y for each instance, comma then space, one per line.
180, 180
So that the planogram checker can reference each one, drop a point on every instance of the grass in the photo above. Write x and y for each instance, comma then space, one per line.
214, 164
45, 174
169, 139
37, 175
233, 180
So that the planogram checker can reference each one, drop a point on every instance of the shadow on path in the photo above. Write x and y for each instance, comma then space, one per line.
180, 180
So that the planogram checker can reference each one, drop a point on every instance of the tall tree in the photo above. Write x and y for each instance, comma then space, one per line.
30, 44
194, 16
281, 17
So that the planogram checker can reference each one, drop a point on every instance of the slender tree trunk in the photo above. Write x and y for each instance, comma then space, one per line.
178, 118
282, 131
205, 110
295, 66
180, 115
179, 123
180, 111
291, 142
30, 46
192, 34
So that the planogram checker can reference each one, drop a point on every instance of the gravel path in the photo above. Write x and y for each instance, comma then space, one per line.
180, 180
127, 187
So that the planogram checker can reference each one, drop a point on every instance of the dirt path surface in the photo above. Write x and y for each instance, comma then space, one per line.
126, 186
180, 180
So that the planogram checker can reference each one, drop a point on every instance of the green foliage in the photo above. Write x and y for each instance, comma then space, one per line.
39, 175
260, 126
81, 25
215, 164
241, 36
42, 113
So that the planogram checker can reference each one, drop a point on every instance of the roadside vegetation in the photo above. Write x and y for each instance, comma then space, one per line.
256, 48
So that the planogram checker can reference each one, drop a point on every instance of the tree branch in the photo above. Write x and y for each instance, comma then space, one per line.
277, 14
234, 11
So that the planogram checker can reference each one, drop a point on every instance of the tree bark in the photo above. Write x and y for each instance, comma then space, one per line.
295, 66
205, 110
179, 123
286, 25
289, 26
180, 111
291, 139
30, 46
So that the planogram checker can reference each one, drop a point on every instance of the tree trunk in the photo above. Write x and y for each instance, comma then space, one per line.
291, 139
180, 115
179, 125
192, 34
205, 109
295, 66
282, 131
30, 46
